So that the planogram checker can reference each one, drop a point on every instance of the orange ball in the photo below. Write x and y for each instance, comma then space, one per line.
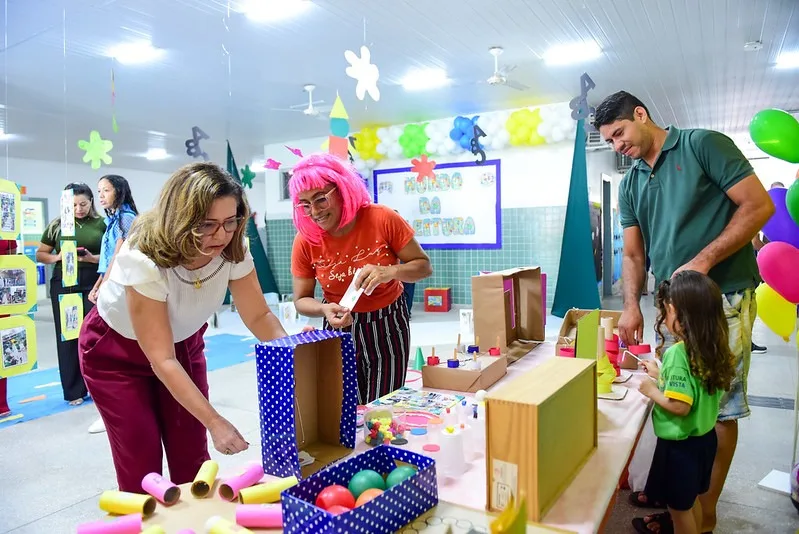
367, 496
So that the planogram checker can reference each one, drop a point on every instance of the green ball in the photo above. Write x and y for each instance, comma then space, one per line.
399, 474
364, 480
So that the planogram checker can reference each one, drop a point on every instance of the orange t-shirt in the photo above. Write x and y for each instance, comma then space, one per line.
377, 236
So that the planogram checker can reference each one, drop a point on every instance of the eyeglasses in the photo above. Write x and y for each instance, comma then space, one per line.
209, 228
320, 203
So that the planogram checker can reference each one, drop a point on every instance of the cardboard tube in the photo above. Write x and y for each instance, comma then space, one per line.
600, 342
607, 324
229, 489
161, 488
205, 479
186, 531
123, 503
260, 515
155, 529
266, 493
220, 525
127, 524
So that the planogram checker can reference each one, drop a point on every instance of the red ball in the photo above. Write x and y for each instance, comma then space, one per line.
335, 495
338, 510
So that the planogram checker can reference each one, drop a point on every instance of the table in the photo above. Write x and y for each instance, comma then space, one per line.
582, 508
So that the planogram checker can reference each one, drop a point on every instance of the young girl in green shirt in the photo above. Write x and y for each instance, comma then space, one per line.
686, 391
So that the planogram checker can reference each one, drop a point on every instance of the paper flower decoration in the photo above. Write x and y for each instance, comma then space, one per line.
296, 151
247, 176
96, 149
362, 70
423, 168
272, 164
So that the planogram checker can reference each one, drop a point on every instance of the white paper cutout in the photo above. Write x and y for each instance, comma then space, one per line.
362, 70
67, 213
352, 295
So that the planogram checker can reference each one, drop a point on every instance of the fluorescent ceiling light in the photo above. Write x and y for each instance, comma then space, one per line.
136, 53
570, 53
155, 154
423, 79
274, 10
788, 60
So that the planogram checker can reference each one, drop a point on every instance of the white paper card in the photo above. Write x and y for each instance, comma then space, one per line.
353, 294
67, 213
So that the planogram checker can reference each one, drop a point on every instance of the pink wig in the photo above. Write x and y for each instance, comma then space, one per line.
317, 171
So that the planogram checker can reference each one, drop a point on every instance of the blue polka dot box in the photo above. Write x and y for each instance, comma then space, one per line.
307, 397
386, 513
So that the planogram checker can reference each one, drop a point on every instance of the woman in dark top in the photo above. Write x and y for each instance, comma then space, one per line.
89, 230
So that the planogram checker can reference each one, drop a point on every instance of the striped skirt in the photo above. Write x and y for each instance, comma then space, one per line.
382, 347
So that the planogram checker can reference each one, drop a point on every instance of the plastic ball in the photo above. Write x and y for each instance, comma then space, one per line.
338, 509
365, 480
367, 496
480, 395
399, 474
335, 495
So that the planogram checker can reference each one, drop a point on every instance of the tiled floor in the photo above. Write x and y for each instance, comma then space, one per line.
52, 471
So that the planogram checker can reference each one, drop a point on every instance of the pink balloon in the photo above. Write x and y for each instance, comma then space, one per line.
778, 262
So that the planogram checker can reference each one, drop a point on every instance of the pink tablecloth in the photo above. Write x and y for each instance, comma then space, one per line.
582, 506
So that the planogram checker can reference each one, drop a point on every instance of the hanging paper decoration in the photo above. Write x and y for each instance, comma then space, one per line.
296, 151
423, 168
478, 149
339, 130
272, 164
69, 262
247, 176
579, 104
364, 72
70, 307
193, 148
96, 149
10, 210
114, 125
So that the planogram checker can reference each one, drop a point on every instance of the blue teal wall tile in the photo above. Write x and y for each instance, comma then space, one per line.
530, 236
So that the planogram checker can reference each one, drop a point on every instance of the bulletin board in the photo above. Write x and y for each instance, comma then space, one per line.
459, 209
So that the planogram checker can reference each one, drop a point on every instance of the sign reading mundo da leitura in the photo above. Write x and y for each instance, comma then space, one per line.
457, 208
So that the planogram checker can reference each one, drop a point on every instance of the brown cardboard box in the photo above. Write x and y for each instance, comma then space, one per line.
568, 331
461, 379
541, 428
517, 292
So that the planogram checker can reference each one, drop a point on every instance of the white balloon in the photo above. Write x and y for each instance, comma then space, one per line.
382, 148
558, 135
395, 152
360, 165
545, 129
382, 133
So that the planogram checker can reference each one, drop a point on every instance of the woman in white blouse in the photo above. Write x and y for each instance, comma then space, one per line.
141, 347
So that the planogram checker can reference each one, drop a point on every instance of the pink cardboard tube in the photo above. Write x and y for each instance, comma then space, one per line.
161, 488
568, 352
186, 531
640, 349
259, 515
229, 489
127, 524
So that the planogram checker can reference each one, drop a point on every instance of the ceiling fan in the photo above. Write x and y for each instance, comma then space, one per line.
500, 75
312, 109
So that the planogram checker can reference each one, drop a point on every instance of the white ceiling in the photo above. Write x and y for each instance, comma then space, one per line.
685, 58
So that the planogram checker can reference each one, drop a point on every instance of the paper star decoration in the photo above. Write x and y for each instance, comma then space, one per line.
247, 176
96, 149
423, 168
362, 70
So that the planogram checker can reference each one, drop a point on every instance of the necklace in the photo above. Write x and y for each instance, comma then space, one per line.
198, 282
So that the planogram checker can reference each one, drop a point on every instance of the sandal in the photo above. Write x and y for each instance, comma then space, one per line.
662, 520
76, 402
635, 500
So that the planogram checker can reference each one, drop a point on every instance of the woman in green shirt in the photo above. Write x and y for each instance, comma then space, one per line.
89, 230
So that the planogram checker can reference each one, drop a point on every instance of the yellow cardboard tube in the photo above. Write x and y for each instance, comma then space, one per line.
266, 493
124, 503
204, 481
155, 529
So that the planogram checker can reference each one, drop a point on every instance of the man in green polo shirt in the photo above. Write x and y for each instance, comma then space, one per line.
691, 201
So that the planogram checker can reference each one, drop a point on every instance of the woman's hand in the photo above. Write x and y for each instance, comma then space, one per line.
89, 258
372, 276
93, 295
337, 316
226, 438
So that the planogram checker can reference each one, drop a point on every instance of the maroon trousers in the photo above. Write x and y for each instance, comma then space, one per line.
140, 414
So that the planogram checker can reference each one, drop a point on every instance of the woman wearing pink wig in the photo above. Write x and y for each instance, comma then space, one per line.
341, 231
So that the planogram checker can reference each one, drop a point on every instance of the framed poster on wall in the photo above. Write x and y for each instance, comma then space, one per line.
460, 208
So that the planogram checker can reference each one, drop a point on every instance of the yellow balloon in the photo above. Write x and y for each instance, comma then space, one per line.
778, 314
366, 142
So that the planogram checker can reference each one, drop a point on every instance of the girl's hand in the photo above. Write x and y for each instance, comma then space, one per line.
651, 367
647, 387
337, 316
372, 276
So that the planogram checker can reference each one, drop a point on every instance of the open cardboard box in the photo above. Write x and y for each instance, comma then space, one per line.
307, 399
517, 293
568, 332
461, 379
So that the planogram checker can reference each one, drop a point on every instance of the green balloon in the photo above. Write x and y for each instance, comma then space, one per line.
792, 201
364, 480
776, 133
